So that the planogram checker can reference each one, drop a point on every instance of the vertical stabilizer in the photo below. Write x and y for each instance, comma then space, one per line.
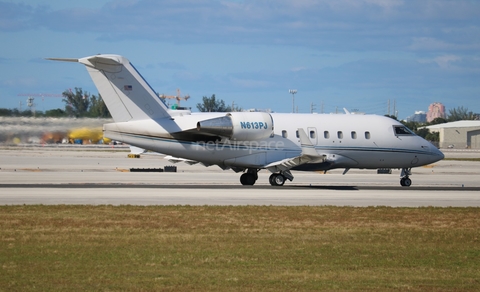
126, 94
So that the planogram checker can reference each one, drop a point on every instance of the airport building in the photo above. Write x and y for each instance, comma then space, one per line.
458, 135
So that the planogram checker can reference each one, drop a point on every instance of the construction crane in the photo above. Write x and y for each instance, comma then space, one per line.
178, 97
40, 94
31, 98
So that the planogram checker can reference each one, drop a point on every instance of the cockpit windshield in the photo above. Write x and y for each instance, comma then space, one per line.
402, 131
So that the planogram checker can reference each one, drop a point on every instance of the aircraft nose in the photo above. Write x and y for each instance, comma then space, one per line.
437, 154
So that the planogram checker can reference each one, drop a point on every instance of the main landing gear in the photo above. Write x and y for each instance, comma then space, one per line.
276, 179
250, 177
405, 181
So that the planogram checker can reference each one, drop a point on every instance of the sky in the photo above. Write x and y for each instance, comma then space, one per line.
373, 56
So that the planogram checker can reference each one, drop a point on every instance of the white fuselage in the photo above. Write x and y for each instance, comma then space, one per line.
346, 141
249, 141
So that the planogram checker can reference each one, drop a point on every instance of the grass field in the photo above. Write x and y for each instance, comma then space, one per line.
183, 248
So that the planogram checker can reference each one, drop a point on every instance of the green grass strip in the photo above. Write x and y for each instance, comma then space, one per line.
213, 248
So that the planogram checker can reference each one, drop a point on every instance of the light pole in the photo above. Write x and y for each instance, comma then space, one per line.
293, 91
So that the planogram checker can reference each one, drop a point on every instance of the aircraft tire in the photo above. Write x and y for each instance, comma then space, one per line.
247, 179
271, 179
277, 180
405, 182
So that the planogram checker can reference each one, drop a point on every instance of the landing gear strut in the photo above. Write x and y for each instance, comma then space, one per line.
250, 177
405, 181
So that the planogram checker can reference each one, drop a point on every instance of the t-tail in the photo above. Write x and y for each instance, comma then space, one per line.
125, 92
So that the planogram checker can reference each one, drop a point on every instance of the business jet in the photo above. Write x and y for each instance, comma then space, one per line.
250, 141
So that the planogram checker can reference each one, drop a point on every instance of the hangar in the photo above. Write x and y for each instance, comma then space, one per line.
459, 135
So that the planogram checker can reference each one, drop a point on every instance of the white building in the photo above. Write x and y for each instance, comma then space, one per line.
419, 117
460, 134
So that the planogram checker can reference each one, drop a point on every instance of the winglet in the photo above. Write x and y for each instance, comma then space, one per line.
306, 144
308, 155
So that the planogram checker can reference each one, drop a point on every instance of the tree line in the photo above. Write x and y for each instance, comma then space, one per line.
78, 104
212, 104
81, 104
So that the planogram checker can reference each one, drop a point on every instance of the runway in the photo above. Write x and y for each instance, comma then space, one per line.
53, 176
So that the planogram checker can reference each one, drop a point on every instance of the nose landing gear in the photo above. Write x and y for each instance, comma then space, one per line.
405, 181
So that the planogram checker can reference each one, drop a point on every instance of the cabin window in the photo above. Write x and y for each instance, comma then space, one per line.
402, 131
340, 135
284, 134
354, 135
326, 135
367, 135
312, 134
298, 135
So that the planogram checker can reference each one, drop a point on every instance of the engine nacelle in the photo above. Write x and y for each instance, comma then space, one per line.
239, 126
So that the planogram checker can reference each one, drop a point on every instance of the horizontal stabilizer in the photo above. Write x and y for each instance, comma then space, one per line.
63, 59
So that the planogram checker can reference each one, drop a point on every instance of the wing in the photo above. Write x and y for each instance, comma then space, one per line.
187, 161
138, 150
177, 160
308, 155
